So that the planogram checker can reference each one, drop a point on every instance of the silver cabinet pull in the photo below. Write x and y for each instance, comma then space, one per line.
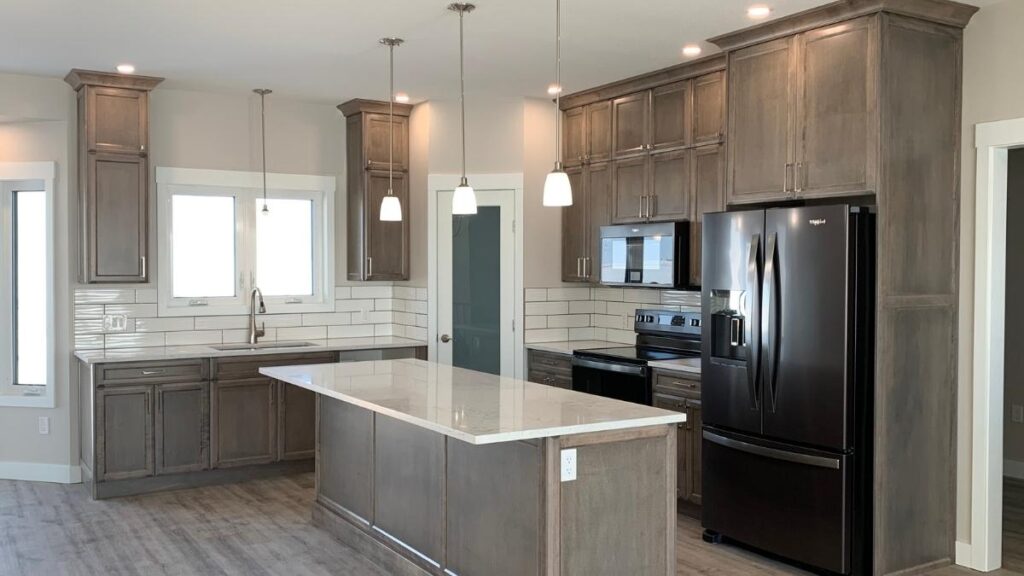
143, 261
640, 213
142, 147
798, 175
369, 266
152, 372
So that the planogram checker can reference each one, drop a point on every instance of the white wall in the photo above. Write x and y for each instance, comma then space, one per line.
993, 85
36, 124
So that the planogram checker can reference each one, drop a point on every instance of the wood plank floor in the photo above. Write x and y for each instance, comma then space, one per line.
253, 528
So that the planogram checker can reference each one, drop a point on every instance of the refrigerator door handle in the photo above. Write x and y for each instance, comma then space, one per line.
770, 317
754, 300
773, 453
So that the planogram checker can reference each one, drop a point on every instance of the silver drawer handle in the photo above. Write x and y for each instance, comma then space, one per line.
152, 372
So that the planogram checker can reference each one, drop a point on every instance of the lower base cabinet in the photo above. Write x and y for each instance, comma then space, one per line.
244, 422
549, 368
296, 424
182, 438
681, 393
124, 430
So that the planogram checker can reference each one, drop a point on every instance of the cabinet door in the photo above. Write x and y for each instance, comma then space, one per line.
708, 109
599, 132
631, 124
115, 215
694, 474
387, 243
669, 120
683, 442
574, 136
599, 195
761, 98
708, 191
182, 427
124, 429
670, 186
243, 422
629, 189
837, 110
574, 228
296, 422
375, 141
117, 120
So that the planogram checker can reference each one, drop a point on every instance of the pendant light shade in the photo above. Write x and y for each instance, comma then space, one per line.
557, 189
464, 199
390, 205
263, 140
390, 209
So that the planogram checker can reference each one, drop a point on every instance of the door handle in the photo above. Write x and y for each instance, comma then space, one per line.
769, 316
446, 338
754, 300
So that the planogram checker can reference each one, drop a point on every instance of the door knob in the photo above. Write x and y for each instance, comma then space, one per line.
446, 338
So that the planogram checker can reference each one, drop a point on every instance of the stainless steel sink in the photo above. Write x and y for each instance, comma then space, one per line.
263, 346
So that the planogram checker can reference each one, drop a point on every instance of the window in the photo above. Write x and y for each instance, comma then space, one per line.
26, 284
216, 243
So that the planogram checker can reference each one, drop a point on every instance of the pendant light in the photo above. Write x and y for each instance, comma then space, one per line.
464, 199
263, 137
390, 205
557, 189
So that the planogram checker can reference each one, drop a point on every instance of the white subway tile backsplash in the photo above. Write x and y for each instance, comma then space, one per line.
421, 294
642, 296
278, 320
327, 319
132, 310
546, 308
582, 334
620, 308
569, 321
355, 331
568, 294
88, 326
168, 324
606, 321
536, 294
88, 310
302, 333
193, 338
353, 305
104, 296
581, 307
221, 322
88, 341
547, 335
404, 292
608, 294
416, 332
146, 296
383, 329
343, 293
534, 322
379, 317
371, 292
416, 306
422, 320
621, 336
134, 340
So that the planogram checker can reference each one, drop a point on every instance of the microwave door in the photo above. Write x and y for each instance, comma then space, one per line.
658, 267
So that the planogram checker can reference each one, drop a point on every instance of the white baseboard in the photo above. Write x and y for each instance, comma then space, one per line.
1013, 469
36, 472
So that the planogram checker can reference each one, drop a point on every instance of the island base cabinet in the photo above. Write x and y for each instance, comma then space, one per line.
419, 502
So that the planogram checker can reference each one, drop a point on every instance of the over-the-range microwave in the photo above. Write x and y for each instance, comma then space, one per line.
646, 255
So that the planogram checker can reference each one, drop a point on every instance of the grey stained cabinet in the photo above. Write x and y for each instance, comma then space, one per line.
707, 168
124, 426
296, 415
113, 177
581, 222
587, 134
376, 250
681, 393
803, 115
182, 430
243, 422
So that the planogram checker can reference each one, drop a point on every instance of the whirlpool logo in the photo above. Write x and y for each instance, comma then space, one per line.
817, 221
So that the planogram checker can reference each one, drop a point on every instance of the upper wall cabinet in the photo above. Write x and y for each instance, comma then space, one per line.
376, 250
113, 177
803, 115
587, 134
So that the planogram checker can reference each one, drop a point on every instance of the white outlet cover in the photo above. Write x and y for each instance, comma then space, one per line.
568, 465
115, 323
44, 424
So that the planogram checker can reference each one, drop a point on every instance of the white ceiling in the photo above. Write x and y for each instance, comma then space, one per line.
327, 50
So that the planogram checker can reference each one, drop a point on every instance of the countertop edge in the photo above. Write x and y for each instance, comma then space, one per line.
202, 351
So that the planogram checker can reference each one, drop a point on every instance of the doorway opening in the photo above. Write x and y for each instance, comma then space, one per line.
1013, 369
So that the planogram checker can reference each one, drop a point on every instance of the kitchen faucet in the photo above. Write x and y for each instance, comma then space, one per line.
256, 333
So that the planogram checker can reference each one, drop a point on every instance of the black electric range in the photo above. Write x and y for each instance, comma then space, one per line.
623, 372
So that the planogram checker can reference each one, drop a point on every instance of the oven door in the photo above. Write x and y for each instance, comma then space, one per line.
618, 380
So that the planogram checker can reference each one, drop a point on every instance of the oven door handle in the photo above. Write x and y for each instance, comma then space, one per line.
610, 367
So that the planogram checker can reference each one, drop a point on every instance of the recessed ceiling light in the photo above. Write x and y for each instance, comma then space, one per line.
401, 97
691, 50
759, 11
554, 89
125, 68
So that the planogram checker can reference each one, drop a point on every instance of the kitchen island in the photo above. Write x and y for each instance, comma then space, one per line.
431, 469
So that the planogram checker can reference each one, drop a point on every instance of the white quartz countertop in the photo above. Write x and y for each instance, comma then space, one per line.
183, 352
471, 406
689, 365
570, 346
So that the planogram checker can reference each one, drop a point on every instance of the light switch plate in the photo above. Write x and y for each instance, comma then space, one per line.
1018, 413
568, 465
44, 424
115, 323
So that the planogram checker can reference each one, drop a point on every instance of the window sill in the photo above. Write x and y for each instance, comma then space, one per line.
12, 397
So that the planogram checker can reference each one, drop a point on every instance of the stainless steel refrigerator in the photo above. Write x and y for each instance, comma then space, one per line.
787, 368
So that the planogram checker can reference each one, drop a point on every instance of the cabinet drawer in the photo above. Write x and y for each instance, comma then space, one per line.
551, 361
673, 403
551, 379
676, 384
244, 367
131, 373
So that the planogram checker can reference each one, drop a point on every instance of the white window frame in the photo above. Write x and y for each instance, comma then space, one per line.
247, 187
14, 176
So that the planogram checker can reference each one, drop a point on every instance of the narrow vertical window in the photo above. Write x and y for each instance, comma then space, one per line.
30, 279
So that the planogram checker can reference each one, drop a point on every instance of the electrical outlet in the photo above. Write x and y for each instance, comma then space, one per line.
1018, 413
115, 323
568, 465
44, 424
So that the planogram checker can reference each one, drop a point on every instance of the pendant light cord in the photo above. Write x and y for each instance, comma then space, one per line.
263, 140
391, 118
558, 83
462, 93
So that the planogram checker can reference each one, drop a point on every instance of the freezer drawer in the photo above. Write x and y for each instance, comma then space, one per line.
794, 504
